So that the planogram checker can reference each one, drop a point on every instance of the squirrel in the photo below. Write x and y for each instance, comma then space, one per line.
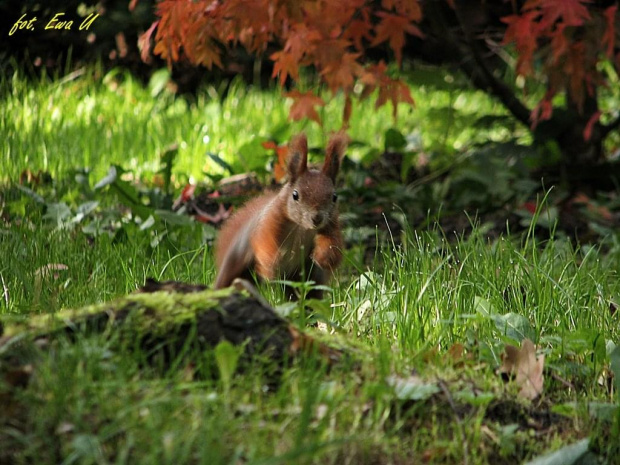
294, 232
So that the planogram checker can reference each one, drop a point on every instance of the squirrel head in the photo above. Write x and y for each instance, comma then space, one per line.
311, 195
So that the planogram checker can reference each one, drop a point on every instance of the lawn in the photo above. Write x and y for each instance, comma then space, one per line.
426, 315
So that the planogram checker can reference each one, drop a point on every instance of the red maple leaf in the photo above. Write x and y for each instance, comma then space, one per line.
393, 28
576, 71
610, 31
523, 30
300, 43
284, 65
144, 43
559, 43
304, 105
371, 78
330, 52
342, 74
281, 151
543, 110
394, 91
569, 12
408, 8
206, 53
359, 30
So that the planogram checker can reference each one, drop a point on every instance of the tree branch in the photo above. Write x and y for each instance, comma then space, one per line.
483, 78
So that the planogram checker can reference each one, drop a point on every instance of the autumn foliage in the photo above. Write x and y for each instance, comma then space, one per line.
559, 42
333, 37
571, 39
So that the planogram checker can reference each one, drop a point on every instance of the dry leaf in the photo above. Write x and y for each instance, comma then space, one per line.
528, 369
456, 352
219, 216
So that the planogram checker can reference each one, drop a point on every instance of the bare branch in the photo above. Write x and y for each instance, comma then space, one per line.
483, 78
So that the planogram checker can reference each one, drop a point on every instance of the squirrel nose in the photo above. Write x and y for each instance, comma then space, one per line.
318, 219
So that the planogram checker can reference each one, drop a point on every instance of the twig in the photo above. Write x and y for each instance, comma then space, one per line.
566, 383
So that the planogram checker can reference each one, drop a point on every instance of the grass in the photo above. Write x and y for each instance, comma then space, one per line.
92, 121
428, 316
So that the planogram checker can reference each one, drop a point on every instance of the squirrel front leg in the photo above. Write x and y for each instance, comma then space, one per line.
328, 248
266, 249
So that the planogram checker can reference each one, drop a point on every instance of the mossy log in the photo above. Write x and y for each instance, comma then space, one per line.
165, 319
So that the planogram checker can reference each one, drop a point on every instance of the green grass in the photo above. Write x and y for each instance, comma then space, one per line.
91, 402
418, 299
91, 122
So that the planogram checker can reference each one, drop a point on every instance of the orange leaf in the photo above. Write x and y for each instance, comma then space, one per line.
372, 77
392, 28
279, 169
569, 12
207, 54
188, 192
304, 106
342, 74
358, 30
269, 145
396, 92
300, 42
408, 8
559, 43
285, 65
144, 43
543, 110
523, 30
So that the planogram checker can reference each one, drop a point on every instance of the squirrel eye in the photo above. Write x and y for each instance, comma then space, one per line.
295, 195
334, 197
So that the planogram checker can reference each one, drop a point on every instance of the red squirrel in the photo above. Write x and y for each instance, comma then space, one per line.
291, 233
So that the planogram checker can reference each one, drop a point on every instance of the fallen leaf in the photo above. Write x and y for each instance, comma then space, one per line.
528, 369
456, 354
186, 195
204, 217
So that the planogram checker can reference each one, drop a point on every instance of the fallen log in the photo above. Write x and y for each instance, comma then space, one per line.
163, 320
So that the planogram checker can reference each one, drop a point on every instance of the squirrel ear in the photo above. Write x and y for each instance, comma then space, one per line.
335, 152
297, 156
